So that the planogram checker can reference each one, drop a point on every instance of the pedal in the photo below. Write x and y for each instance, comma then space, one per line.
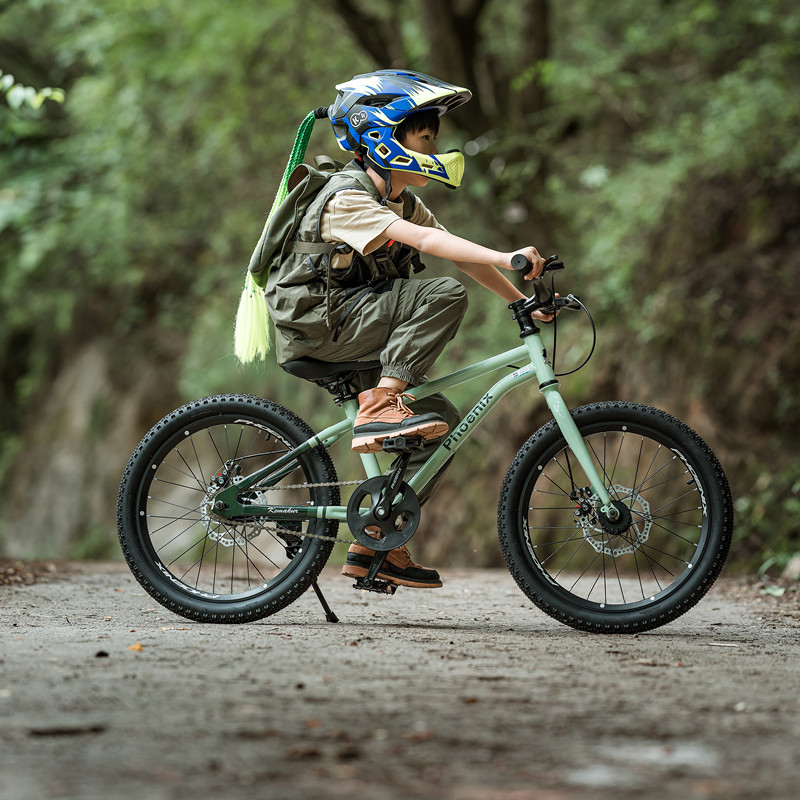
382, 587
400, 444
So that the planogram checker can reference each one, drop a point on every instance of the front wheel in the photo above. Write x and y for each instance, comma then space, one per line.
214, 569
641, 571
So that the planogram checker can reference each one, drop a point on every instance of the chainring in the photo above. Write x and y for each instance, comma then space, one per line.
398, 526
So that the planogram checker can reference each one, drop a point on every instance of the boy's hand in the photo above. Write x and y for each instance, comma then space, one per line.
533, 257
545, 317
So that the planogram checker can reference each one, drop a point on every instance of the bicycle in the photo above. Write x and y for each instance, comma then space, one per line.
613, 517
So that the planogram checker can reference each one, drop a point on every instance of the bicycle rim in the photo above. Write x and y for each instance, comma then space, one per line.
632, 568
208, 557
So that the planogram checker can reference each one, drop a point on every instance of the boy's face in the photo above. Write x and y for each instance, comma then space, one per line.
422, 141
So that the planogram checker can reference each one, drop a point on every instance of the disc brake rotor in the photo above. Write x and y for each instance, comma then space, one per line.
636, 535
226, 531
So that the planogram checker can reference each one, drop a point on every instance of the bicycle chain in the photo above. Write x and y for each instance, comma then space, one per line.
305, 535
312, 485
278, 529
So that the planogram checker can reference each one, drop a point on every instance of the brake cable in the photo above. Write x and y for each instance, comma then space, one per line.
555, 330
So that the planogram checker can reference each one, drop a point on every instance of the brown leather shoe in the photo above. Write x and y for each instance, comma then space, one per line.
383, 414
398, 568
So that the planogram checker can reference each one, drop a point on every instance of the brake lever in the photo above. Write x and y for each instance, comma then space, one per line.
570, 302
553, 264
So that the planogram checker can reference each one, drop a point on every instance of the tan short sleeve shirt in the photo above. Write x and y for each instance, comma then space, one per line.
358, 220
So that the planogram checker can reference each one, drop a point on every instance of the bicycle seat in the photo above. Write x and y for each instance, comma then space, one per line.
325, 372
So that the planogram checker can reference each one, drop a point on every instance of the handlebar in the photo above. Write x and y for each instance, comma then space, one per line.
522, 265
544, 300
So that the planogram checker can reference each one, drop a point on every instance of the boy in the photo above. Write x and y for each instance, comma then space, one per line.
356, 302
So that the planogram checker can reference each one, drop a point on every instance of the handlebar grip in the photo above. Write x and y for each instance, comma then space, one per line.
521, 264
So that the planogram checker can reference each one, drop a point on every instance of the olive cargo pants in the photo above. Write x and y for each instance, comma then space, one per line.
406, 328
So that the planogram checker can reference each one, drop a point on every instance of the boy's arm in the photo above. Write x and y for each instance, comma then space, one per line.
497, 283
490, 278
441, 243
472, 259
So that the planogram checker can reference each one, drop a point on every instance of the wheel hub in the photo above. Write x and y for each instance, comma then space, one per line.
598, 530
228, 532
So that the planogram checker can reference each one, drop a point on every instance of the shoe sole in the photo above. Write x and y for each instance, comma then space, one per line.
373, 442
360, 572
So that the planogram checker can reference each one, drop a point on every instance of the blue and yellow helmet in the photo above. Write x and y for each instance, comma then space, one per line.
369, 108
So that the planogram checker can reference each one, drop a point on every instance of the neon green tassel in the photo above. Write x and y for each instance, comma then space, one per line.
251, 338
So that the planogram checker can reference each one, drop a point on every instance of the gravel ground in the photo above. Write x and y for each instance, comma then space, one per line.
465, 692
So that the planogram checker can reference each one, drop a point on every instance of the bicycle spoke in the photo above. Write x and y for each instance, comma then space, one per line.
602, 567
209, 553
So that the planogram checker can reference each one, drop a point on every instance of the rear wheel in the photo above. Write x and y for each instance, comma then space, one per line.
205, 567
634, 574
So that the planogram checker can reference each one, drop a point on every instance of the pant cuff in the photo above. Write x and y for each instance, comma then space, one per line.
401, 373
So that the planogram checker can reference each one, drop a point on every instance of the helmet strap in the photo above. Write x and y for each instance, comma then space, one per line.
365, 159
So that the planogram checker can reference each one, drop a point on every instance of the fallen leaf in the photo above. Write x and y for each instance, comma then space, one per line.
348, 752
418, 736
302, 751
101, 654
137, 647
67, 731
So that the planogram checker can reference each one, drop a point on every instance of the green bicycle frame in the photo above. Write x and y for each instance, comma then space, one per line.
536, 365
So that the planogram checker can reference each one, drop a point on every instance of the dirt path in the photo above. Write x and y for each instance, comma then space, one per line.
467, 692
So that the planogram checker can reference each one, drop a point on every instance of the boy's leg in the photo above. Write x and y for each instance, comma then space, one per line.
406, 328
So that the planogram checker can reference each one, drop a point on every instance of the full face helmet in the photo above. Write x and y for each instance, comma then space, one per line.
369, 108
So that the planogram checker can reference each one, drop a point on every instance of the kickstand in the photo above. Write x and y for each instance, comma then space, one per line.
329, 615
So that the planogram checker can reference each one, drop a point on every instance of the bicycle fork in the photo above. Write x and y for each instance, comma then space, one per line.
548, 386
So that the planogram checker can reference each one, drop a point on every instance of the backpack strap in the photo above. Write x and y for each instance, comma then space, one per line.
312, 248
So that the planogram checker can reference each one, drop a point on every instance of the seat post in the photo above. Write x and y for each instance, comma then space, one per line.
368, 460
340, 388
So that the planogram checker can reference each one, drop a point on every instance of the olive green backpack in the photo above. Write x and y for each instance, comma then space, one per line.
297, 190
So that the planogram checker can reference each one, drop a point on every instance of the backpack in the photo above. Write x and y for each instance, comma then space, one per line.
292, 265
305, 183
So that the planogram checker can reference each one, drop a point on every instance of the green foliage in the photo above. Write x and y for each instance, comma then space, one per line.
767, 513
19, 96
662, 167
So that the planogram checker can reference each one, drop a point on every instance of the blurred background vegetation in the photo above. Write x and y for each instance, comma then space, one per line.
654, 145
